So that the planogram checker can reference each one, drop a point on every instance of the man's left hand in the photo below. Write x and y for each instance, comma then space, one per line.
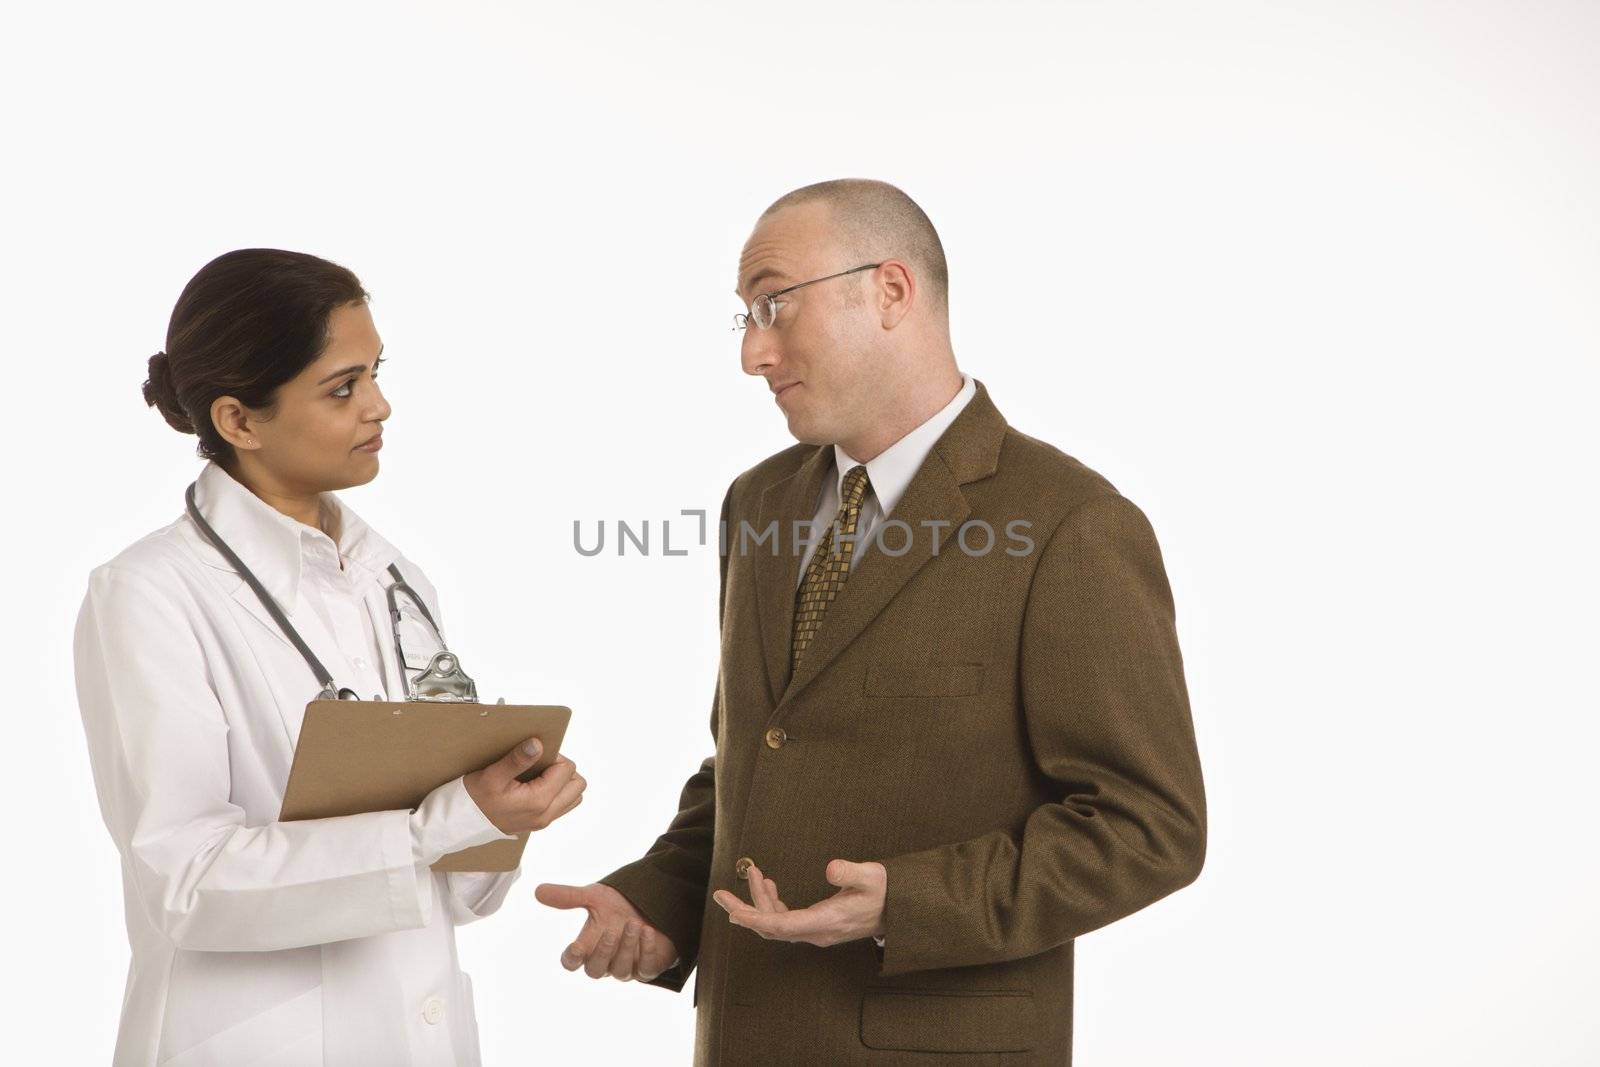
854, 912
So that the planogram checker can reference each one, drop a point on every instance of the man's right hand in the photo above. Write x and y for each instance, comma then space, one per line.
616, 939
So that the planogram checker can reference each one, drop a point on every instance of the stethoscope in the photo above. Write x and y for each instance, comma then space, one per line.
442, 679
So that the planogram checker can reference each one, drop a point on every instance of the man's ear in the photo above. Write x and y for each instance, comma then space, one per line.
897, 292
234, 422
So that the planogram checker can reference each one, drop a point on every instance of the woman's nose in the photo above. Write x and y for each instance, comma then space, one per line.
381, 409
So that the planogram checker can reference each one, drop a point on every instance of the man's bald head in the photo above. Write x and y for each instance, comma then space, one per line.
876, 221
858, 358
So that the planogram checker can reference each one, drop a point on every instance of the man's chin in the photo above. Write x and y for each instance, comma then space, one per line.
805, 430
808, 436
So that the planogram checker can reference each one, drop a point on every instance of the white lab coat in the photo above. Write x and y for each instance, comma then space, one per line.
252, 941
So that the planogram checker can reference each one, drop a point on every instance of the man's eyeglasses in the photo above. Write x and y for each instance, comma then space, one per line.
764, 308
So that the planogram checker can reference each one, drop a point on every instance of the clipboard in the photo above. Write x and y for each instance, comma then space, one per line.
356, 756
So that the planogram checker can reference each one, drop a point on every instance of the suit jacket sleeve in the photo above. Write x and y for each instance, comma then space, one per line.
1103, 700
669, 883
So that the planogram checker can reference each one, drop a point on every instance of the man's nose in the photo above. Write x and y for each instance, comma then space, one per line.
758, 350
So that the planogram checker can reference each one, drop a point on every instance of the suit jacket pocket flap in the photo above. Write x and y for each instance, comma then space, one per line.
950, 679
936, 1021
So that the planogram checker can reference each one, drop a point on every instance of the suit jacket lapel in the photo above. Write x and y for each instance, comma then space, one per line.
967, 451
777, 566
932, 496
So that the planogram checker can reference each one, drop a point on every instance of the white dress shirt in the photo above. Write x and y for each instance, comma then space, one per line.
325, 941
887, 475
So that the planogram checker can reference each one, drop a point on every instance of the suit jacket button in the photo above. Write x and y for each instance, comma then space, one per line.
776, 737
742, 867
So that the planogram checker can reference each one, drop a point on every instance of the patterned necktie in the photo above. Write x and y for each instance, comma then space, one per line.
828, 569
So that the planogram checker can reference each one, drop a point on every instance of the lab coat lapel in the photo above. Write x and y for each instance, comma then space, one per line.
246, 598
266, 542
296, 686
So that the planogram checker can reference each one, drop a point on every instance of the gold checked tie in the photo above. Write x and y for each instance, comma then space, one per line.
828, 569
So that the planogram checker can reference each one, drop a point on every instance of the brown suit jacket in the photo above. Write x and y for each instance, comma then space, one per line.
1007, 732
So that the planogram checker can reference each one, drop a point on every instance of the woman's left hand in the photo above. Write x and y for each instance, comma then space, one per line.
515, 807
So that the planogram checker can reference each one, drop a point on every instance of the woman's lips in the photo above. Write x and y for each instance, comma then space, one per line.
372, 445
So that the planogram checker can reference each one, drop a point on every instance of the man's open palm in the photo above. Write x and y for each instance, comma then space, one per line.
615, 940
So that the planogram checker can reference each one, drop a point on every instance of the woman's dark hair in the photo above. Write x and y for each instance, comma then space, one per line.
246, 323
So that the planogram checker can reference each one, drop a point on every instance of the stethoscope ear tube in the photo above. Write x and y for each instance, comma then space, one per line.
446, 679
329, 690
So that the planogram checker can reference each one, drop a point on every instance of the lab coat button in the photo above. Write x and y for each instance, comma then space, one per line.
776, 737
742, 867
433, 1010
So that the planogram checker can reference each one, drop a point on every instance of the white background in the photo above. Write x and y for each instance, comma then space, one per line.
1313, 283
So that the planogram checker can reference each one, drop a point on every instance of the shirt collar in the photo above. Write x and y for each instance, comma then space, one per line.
276, 547
893, 468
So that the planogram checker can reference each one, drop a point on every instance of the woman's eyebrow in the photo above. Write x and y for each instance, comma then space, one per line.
348, 370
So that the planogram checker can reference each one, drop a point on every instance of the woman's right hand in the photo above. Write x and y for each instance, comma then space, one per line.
515, 806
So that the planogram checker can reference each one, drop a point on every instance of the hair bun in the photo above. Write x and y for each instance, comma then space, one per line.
161, 394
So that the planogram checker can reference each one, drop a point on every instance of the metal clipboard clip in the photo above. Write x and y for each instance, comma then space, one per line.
443, 680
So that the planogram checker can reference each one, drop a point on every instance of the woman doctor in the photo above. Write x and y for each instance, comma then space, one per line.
326, 941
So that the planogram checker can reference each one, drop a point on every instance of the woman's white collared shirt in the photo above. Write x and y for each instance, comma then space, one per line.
326, 941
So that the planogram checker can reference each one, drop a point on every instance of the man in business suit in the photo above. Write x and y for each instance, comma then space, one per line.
951, 718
